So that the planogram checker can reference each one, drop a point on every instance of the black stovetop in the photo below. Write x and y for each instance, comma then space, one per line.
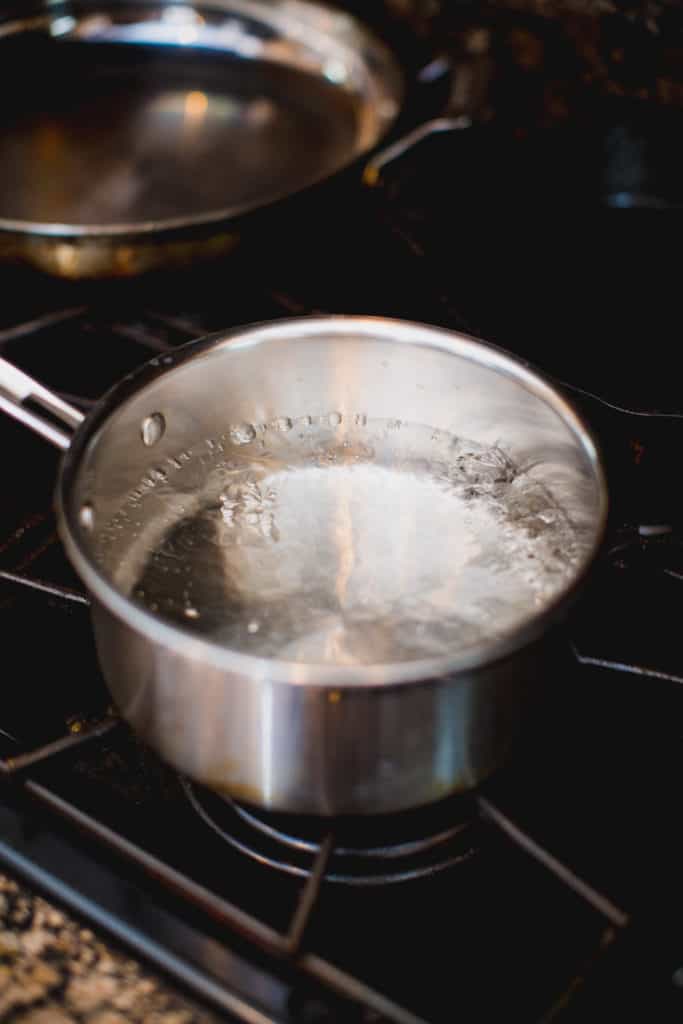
564, 899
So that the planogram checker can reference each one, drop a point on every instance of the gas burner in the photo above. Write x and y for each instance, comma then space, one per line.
365, 851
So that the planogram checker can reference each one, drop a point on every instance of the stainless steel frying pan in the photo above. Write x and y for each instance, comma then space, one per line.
321, 553
141, 134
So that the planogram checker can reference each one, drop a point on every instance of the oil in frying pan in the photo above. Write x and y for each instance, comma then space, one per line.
354, 541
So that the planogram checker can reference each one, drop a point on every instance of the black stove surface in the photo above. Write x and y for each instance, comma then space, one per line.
562, 898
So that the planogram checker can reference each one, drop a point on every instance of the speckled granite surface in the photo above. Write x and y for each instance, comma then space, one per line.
54, 971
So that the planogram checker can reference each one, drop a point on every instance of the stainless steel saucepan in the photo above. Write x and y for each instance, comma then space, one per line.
155, 129
321, 553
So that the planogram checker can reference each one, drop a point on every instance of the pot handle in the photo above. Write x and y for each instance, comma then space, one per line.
19, 393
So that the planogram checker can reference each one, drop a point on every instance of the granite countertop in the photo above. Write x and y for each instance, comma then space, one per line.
54, 971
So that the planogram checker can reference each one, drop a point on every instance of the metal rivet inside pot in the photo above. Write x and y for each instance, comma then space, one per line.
86, 516
153, 428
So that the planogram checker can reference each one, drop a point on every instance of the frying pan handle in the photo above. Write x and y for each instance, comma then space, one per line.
469, 77
19, 392
379, 160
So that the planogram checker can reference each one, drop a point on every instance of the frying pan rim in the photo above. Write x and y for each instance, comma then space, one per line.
178, 638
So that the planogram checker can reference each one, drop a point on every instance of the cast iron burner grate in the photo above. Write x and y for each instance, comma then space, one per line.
364, 852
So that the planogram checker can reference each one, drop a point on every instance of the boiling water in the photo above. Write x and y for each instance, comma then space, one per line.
354, 542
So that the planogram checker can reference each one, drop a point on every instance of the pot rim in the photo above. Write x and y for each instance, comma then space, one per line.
175, 639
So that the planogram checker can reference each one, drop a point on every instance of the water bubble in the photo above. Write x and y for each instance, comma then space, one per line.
268, 528
152, 429
334, 419
243, 433
324, 456
225, 558
251, 494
